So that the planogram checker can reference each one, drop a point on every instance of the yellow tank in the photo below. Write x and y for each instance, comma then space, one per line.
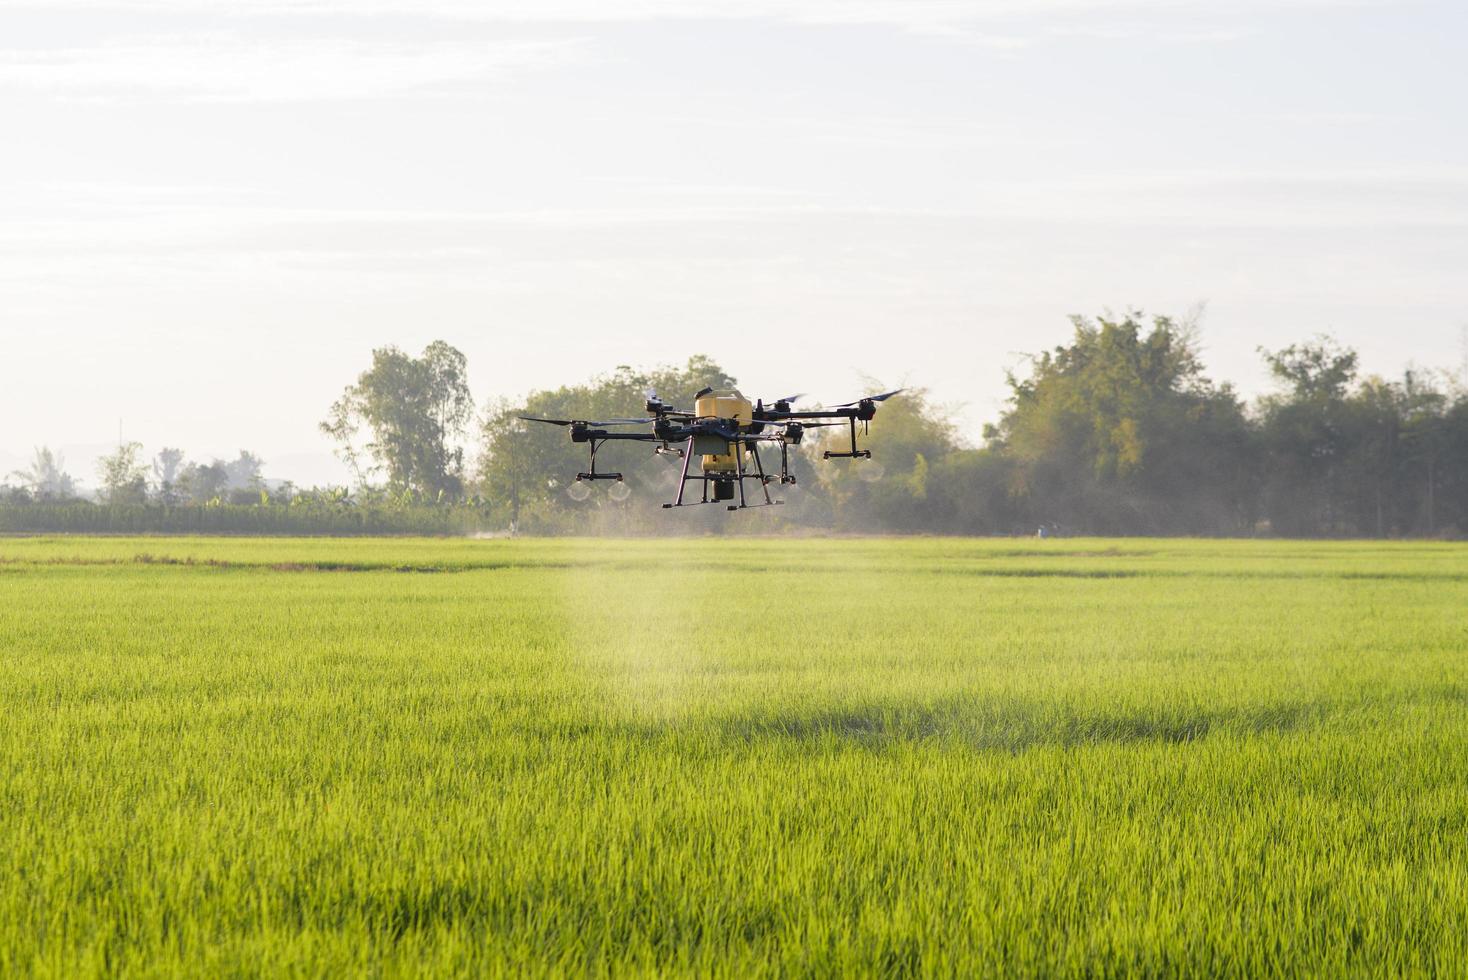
721, 404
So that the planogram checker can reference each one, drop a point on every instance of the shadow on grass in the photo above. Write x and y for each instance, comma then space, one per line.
965, 567
1018, 726
1007, 724
284, 566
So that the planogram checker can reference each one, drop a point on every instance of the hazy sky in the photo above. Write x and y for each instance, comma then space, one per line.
211, 211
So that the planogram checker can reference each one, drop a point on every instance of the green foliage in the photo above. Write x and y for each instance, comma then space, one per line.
1320, 371
890, 490
306, 514
1120, 430
124, 475
415, 409
168, 468
1373, 457
934, 757
203, 483
970, 492
47, 479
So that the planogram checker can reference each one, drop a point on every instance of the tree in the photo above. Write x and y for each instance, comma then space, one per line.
908, 439
47, 478
167, 466
123, 475
414, 409
509, 464
1451, 469
1392, 442
1321, 370
969, 493
1368, 445
1120, 432
245, 482
1307, 430
204, 483
1426, 442
244, 471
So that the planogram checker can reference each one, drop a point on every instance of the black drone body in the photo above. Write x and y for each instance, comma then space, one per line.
725, 430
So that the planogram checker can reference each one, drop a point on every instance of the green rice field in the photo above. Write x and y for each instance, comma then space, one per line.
804, 757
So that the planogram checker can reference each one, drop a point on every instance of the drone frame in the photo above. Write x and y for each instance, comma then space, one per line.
671, 426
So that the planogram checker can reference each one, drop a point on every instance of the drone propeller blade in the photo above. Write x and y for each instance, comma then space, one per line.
592, 422
873, 398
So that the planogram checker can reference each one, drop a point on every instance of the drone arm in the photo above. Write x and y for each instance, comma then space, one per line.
595, 438
832, 413
623, 436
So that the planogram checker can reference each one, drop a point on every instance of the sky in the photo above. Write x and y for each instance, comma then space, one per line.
211, 212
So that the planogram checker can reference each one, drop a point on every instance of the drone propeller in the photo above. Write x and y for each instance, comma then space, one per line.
661, 408
873, 398
789, 398
531, 418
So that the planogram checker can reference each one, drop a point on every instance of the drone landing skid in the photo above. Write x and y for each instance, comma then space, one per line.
734, 483
745, 506
700, 503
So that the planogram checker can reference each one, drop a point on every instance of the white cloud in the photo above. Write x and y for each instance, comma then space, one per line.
228, 68
1207, 202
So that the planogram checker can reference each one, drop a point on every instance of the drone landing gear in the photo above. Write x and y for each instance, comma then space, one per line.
593, 474
855, 453
764, 481
726, 486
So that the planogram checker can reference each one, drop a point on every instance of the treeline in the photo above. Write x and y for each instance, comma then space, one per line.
1121, 432
127, 479
1118, 431
301, 516
175, 496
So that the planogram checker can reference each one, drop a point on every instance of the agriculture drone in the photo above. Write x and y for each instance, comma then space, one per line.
722, 430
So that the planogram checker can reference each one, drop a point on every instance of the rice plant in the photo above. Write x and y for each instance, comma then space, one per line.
286, 757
